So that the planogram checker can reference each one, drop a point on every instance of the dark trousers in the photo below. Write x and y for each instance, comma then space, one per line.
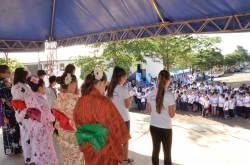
247, 112
164, 136
239, 110
231, 112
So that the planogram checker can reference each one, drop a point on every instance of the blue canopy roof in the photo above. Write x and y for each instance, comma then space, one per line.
26, 24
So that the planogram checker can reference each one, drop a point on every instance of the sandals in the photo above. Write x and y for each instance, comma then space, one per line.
124, 162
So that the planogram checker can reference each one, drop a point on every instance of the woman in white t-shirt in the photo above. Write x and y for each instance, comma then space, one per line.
122, 100
161, 104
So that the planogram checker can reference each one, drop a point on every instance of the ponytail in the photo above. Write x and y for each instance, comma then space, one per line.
117, 74
163, 76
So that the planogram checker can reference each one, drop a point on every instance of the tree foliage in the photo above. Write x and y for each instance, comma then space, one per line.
12, 63
235, 58
87, 64
185, 51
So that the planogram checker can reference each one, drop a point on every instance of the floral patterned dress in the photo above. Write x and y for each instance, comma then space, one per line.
22, 92
72, 155
41, 134
11, 131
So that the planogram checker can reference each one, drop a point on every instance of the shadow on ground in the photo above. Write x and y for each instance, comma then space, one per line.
235, 122
143, 159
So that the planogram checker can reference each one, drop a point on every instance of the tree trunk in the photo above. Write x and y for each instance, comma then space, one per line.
6, 57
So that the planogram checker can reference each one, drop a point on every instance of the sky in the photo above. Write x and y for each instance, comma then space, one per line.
228, 44
231, 40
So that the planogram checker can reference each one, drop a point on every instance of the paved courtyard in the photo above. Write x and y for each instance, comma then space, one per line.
196, 141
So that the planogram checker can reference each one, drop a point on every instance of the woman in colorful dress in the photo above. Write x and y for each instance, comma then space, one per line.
41, 127
98, 121
11, 131
64, 105
22, 94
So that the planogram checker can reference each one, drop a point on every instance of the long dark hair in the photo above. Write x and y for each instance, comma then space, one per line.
70, 68
89, 83
4, 68
163, 76
117, 74
20, 76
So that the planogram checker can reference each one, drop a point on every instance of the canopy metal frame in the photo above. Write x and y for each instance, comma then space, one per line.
232, 23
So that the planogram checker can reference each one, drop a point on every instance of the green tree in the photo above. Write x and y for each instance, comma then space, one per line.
208, 59
124, 53
87, 64
242, 54
230, 60
169, 48
12, 63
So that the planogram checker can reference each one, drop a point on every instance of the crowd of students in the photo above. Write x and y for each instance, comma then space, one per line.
92, 125
212, 99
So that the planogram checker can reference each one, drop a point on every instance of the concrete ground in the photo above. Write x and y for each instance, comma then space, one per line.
196, 140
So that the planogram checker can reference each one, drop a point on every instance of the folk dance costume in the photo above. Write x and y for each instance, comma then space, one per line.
11, 131
43, 151
21, 100
63, 111
101, 131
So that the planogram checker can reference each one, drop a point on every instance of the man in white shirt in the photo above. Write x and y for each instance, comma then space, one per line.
221, 103
239, 104
247, 105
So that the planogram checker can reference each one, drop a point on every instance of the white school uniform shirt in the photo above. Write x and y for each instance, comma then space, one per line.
220, 89
119, 96
201, 100
221, 102
231, 104
214, 101
247, 101
184, 97
197, 98
226, 106
206, 103
161, 120
191, 98
239, 101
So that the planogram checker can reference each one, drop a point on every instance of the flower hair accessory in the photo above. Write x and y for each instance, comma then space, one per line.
34, 80
98, 73
68, 79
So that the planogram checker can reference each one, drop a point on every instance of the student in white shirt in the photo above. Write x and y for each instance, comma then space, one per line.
247, 105
239, 104
221, 103
206, 105
51, 93
122, 100
226, 108
184, 101
232, 106
162, 106
214, 102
